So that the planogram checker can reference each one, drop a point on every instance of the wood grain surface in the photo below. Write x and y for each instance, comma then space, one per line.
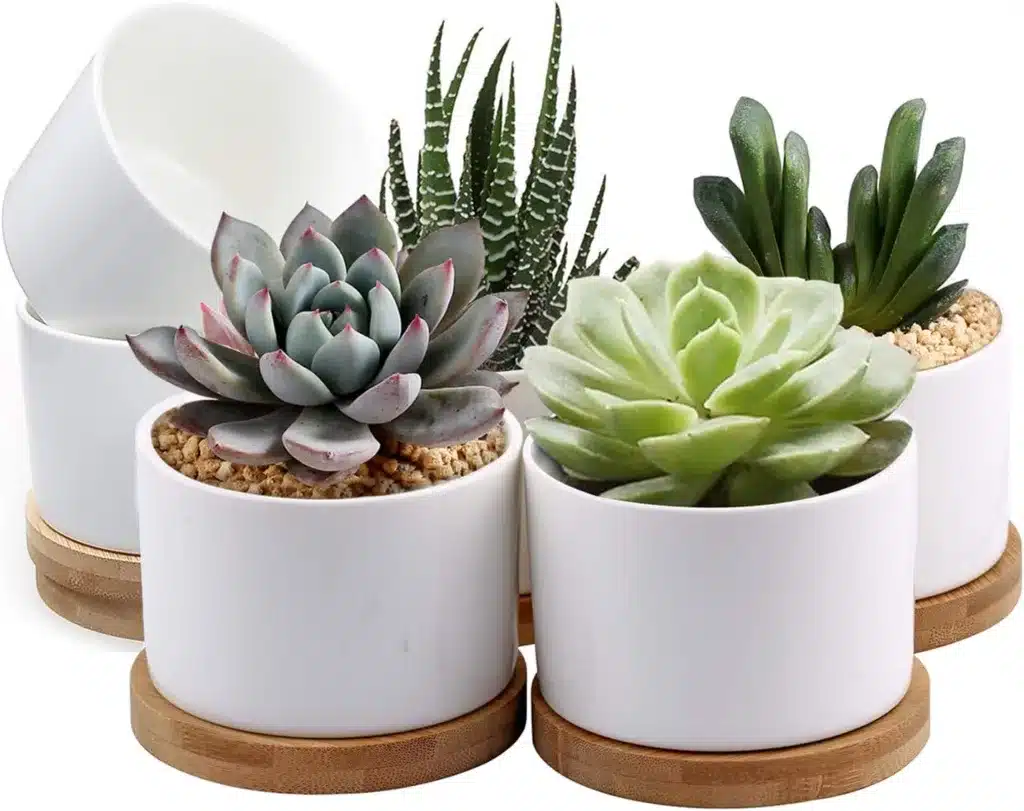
324, 766
94, 588
525, 619
956, 615
737, 780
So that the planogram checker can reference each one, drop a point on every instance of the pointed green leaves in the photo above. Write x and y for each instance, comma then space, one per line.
591, 454
709, 359
885, 443
706, 448
796, 177
809, 454
725, 276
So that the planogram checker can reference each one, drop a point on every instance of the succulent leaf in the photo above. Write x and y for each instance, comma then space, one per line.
796, 177
698, 310
482, 377
727, 277
155, 350
238, 237
705, 448
255, 441
385, 401
428, 294
408, 353
708, 360
753, 488
810, 453
633, 420
218, 329
401, 197
833, 375
306, 334
371, 268
340, 295
385, 320
862, 225
314, 248
725, 212
898, 173
936, 305
667, 491
308, 217
242, 280
447, 416
596, 456
481, 132
467, 343
886, 441
347, 362
819, 247
463, 245
362, 227
325, 439
199, 416
301, 290
292, 382
223, 371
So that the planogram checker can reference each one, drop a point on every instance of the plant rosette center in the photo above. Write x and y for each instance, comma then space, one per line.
705, 384
398, 467
971, 324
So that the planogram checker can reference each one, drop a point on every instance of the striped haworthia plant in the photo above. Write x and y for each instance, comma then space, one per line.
524, 235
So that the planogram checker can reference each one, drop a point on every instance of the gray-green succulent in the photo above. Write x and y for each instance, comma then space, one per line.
893, 264
322, 346
706, 384
525, 239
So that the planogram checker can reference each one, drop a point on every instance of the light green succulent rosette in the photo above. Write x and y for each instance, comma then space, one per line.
706, 384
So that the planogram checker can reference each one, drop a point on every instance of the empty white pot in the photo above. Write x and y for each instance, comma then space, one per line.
961, 417
524, 404
183, 113
82, 396
328, 618
721, 629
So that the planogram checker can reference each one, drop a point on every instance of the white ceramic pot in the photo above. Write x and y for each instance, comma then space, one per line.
961, 417
524, 404
328, 618
82, 395
183, 113
722, 629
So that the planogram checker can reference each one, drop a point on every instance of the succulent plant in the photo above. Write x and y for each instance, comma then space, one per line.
706, 384
524, 241
322, 345
893, 264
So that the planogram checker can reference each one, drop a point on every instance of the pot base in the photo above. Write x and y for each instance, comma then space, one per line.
525, 620
318, 765
94, 588
737, 779
975, 607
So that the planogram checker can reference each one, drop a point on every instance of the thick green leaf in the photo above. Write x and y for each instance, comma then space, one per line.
838, 371
747, 390
650, 284
706, 448
648, 345
846, 274
816, 309
886, 442
810, 453
862, 226
936, 305
796, 178
936, 266
897, 174
595, 456
819, 247
639, 419
742, 287
452, 94
753, 488
480, 137
553, 360
708, 359
932, 193
725, 212
757, 154
700, 308
499, 218
668, 491
436, 188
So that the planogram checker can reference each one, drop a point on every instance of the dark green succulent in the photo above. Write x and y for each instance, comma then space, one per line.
525, 237
892, 265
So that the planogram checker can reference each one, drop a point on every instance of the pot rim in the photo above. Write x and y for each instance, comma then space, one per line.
144, 445
34, 322
531, 451
947, 368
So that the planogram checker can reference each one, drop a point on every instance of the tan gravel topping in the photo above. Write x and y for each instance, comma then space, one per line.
396, 469
973, 322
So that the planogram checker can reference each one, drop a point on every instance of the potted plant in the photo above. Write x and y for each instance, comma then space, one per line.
722, 520
893, 268
524, 235
328, 525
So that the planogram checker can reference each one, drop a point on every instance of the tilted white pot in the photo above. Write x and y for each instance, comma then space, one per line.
524, 404
82, 395
723, 629
961, 417
332, 618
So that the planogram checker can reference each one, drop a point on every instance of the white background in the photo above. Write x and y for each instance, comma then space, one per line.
658, 80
